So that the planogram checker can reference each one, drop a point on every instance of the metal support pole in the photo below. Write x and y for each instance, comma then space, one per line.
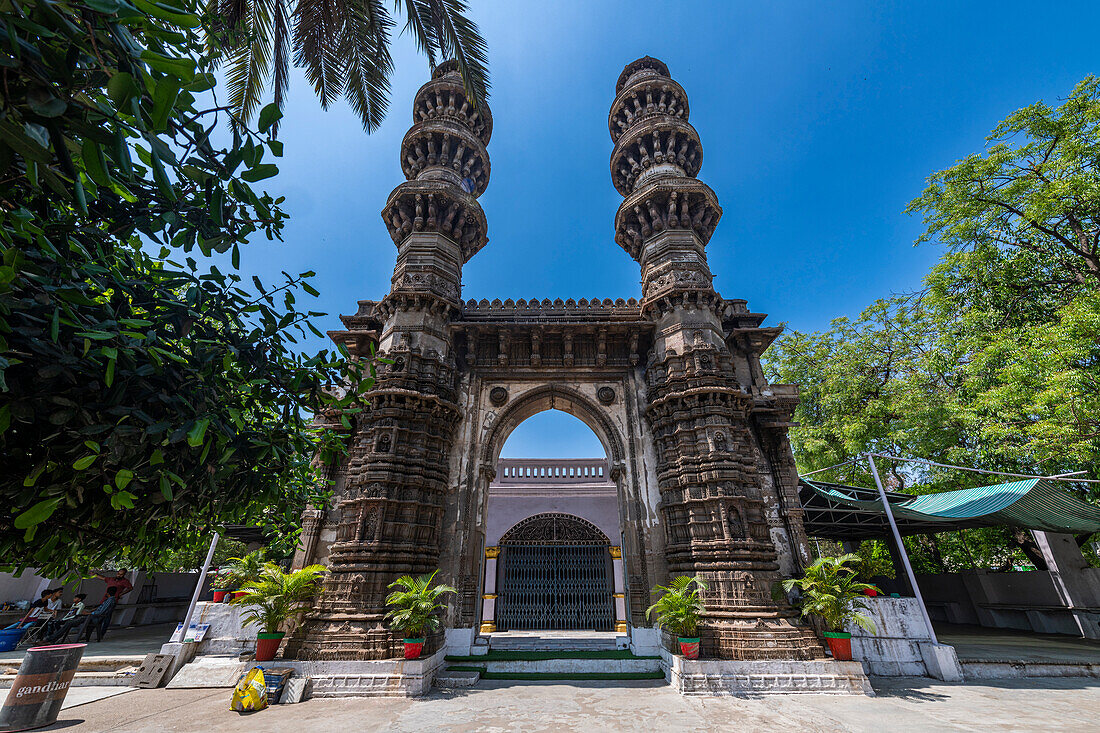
198, 586
901, 549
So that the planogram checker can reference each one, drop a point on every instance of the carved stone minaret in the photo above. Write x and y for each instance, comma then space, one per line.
390, 508
721, 507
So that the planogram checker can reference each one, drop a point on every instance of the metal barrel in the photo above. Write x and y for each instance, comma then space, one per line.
40, 687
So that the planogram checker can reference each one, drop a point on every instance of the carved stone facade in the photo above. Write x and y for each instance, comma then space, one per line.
695, 437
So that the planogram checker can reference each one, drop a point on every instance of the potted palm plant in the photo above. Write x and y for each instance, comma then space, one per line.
243, 570
274, 598
678, 610
832, 590
221, 580
415, 609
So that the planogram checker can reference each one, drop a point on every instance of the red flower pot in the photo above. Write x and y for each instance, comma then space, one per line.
413, 647
689, 647
238, 594
871, 592
219, 595
267, 645
840, 644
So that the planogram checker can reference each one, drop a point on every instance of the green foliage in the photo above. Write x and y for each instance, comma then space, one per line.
246, 569
832, 590
996, 363
679, 607
277, 597
874, 561
344, 48
1035, 190
146, 398
416, 607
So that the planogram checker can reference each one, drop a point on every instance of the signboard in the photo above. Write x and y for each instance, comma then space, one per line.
195, 632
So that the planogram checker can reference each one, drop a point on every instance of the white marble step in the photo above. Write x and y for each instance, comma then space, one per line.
451, 679
571, 666
551, 642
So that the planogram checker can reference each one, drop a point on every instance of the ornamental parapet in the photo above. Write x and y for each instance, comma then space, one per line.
546, 310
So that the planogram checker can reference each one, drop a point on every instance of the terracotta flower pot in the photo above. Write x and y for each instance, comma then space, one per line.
267, 645
689, 647
840, 644
219, 595
413, 647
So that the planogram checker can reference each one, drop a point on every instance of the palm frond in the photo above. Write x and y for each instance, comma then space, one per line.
365, 49
831, 589
418, 23
318, 28
679, 607
249, 59
415, 608
277, 596
281, 40
459, 38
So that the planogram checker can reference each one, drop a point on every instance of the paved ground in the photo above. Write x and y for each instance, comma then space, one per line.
118, 642
909, 704
977, 643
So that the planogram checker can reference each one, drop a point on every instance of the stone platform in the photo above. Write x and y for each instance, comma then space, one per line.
765, 677
374, 678
554, 641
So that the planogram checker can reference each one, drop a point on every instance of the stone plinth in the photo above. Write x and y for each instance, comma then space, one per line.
764, 677
901, 645
371, 678
228, 635
894, 649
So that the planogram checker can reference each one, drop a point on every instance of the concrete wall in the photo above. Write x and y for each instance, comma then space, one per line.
601, 509
1029, 601
24, 588
173, 592
895, 649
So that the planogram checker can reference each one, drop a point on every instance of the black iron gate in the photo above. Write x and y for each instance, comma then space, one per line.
555, 587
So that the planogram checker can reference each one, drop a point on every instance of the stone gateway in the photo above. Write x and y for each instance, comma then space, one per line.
698, 476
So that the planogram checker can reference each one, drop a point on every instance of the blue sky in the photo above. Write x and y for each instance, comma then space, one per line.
819, 122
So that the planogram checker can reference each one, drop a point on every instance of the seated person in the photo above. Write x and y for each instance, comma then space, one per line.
97, 620
100, 618
77, 608
39, 608
52, 611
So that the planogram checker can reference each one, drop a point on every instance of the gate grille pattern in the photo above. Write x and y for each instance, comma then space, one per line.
558, 587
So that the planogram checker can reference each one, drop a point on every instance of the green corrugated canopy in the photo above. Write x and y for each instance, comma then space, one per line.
852, 512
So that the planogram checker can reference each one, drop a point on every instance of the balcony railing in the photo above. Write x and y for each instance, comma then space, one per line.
551, 471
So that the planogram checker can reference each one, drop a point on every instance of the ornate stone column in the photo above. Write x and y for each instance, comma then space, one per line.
489, 596
714, 503
391, 518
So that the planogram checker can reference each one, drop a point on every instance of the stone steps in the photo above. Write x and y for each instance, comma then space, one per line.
979, 669
454, 677
635, 665
555, 643
94, 670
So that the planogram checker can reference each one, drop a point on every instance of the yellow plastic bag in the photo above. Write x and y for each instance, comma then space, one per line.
250, 694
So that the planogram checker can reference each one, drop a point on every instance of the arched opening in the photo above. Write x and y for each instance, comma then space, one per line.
553, 521
555, 575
